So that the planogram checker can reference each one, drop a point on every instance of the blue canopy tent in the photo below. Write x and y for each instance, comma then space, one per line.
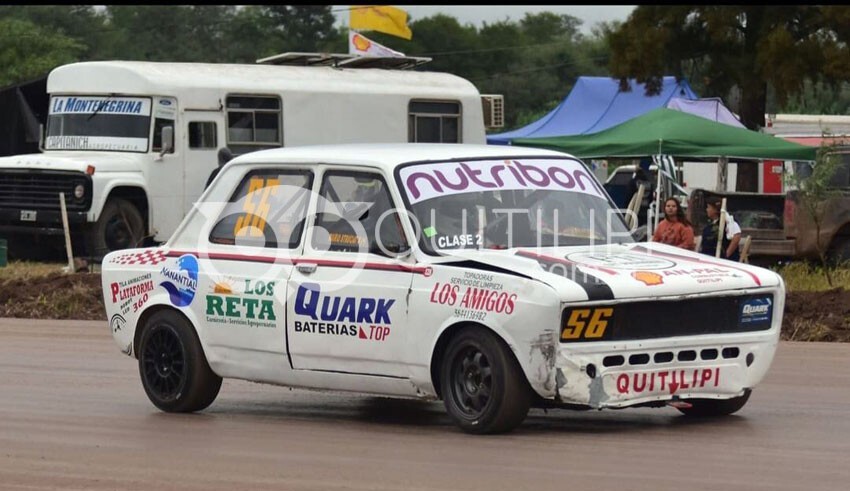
596, 104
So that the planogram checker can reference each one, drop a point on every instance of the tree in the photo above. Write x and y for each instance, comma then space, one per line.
746, 47
452, 46
303, 28
813, 192
82, 23
250, 36
28, 51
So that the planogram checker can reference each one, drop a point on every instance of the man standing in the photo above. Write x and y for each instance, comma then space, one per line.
729, 246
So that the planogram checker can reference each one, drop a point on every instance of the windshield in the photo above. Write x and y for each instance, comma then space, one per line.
500, 204
98, 123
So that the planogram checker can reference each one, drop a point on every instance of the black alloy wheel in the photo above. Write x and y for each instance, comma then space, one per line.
483, 387
172, 365
164, 362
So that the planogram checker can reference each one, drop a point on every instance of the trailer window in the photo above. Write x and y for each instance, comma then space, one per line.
253, 123
434, 122
202, 134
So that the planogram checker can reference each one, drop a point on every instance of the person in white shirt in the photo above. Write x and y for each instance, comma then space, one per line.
729, 247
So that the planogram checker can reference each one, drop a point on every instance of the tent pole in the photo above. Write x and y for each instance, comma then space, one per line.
657, 194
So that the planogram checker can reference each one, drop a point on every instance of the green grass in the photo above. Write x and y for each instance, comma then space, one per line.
25, 270
803, 277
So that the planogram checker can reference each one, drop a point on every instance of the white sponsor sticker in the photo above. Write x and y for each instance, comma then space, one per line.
426, 181
620, 260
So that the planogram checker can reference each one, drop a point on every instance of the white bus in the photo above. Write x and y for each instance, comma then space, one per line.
132, 144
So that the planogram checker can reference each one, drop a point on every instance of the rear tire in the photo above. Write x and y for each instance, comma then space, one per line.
120, 226
174, 371
483, 387
708, 408
840, 251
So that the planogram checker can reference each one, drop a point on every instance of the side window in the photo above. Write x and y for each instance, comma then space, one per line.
355, 213
434, 122
268, 209
158, 125
253, 123
202, 135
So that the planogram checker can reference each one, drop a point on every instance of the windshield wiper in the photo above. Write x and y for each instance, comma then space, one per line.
100, 106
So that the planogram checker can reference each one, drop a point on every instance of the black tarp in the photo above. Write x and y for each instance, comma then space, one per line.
22, 108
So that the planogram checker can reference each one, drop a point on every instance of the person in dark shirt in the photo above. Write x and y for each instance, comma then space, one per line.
731, 237
224, 156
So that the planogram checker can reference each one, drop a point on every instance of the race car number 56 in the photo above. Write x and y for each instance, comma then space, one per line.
586, 323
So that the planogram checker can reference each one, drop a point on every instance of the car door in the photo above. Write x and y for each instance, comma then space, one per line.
249, 259
347, 298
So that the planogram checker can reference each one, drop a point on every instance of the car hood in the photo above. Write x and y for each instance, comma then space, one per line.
636, 270
73, 161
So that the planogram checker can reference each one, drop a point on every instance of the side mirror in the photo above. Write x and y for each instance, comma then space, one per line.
167, 140
41, 136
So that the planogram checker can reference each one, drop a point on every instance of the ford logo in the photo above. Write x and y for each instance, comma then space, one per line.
165, 102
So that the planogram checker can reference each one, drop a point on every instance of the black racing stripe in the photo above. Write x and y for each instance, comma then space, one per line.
594, 286
479, 266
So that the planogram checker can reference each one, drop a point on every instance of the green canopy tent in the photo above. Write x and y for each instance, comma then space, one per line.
669, 132
664, 133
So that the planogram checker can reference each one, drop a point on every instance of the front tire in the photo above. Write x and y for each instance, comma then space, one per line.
710, 408
120, 226
483, 387
174, 371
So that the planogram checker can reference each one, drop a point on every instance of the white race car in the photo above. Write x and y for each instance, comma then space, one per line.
494, 278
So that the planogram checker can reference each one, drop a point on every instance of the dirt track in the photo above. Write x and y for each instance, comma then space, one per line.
74, 416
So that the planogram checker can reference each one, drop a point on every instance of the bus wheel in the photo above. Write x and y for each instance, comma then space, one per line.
120, 226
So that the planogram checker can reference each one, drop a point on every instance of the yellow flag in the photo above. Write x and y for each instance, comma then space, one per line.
381, 18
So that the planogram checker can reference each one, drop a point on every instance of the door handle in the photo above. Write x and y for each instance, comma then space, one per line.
306, 268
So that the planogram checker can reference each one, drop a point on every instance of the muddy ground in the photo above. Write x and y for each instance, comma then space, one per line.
809, 316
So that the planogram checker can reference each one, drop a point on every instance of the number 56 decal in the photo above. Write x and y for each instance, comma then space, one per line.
585, 324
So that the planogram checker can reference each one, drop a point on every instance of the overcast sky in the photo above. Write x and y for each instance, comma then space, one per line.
589, 14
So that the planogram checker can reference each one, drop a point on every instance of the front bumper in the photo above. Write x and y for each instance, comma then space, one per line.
47, 222
618, 375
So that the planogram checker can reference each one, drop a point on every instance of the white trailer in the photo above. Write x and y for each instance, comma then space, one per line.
132, 144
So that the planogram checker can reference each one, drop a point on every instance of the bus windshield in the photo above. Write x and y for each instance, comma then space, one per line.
98, 123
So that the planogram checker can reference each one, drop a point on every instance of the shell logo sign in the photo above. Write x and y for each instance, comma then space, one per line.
648, 278
361, 43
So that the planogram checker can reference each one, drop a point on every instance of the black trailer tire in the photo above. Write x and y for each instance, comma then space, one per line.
120, 226
708, 408
172, 365
483, 387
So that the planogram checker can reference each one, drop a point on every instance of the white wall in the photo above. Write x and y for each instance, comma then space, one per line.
703, 175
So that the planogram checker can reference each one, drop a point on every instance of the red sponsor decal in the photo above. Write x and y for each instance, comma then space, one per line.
375, 333
667, 381
482, 299
131, 291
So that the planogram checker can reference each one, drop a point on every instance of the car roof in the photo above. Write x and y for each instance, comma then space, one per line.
390, 155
